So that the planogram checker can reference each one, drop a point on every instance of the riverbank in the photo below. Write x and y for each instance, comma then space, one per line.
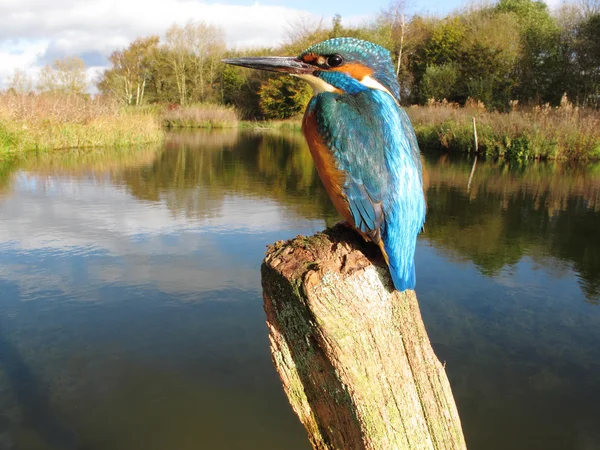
219, 116
564, 132
44, 123
39, 123
561, 133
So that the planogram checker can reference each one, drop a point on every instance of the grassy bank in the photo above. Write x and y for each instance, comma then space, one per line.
200, 116
279, 125
563, 132
49, 122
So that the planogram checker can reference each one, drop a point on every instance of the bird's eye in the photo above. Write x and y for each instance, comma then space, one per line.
335, 60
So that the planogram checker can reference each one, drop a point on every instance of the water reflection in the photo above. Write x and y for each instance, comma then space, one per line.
131, 302
538, 210
276, 166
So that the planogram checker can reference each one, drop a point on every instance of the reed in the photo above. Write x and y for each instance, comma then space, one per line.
563, 132
279, 125
200, 116
47, 122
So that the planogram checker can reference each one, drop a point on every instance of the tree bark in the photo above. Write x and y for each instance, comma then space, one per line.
352, 353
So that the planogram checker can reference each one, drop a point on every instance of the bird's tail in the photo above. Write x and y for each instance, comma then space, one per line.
400, 257
403, 278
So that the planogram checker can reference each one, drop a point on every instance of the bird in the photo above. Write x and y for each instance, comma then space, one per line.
362, 143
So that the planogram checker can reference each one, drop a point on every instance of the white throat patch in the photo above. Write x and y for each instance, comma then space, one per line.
372, 83
317, 83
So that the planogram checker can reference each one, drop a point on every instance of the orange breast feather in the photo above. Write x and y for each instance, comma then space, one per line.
333, 179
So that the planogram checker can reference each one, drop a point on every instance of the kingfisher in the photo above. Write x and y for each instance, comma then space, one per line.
362, 143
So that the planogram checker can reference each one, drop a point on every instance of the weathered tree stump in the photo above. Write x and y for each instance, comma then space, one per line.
353, 354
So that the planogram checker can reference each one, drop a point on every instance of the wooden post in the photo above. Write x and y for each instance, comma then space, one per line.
476, 155
352, 353
475, 136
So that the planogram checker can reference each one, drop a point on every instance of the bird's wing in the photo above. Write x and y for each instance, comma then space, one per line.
373, 143
355, 129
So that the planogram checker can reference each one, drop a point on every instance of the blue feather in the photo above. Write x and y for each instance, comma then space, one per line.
372, 141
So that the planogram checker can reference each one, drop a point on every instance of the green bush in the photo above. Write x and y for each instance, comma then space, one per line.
283, 97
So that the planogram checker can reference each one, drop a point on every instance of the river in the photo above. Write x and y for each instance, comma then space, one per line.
131, 310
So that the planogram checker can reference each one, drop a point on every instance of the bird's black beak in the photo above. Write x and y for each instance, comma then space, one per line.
273, 63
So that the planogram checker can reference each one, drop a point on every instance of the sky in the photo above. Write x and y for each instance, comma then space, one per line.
36, 32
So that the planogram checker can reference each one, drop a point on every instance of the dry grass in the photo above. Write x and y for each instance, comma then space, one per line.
48, 122
200, 116
564, 132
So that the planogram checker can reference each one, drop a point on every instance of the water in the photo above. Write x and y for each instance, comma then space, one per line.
131, 311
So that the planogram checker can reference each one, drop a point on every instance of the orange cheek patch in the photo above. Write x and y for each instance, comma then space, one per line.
311, 58
355, 70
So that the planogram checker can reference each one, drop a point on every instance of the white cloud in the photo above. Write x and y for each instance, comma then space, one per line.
34, 32
51, 215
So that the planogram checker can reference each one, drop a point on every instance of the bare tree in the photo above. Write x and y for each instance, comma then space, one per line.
65, 76
589, 7
20, 82
397, 15
206, 45
178, 59
303, 31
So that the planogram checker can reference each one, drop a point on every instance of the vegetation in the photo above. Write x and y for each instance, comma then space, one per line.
512, 209
65, 76
562, 132
512, 52
51, 121
200, 116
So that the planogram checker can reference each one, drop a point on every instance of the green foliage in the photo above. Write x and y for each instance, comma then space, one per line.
438, 82
240, 89
586, 64
496, 54
540, 64
445, 41
132, 69
283, 97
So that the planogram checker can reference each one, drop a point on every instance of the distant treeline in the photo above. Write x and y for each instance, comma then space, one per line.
513, 50
501, 54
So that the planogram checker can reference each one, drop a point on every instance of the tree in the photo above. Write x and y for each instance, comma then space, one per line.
131, 71
589, 8
65, 76
488, 58
178, 59
441, 47
541, 60
20, 82
588, 60
206, 47
303, 32
395, 19
193, 52
439, 82
336, 26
